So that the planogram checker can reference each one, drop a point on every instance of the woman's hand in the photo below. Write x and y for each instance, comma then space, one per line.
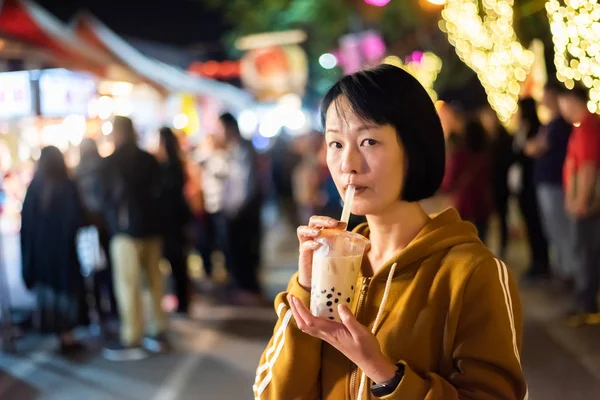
306, 237
351, 338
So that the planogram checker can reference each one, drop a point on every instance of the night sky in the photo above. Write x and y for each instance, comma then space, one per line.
176, 22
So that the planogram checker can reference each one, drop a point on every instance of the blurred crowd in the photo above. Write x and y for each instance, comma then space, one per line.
92, 238
551, 169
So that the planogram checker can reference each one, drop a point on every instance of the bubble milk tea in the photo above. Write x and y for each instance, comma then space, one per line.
335, 270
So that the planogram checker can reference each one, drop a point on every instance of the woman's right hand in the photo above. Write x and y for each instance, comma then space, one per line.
308, 245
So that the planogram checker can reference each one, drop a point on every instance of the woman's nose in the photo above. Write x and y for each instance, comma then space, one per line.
350, 161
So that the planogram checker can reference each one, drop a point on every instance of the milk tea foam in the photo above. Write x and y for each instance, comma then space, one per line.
333, 283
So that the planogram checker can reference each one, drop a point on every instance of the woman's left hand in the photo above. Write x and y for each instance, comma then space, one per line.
350, 337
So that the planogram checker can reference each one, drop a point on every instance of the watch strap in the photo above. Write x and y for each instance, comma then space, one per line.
387, 388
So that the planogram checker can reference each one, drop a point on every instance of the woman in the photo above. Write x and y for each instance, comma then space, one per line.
438, 317
467, 178
176, 214
529, 126
502, 157
51, 216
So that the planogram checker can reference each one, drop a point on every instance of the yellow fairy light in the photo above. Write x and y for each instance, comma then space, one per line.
576, 36
489, 46
425, 70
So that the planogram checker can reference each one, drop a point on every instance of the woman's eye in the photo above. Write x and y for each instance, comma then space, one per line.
335, 145
369, 142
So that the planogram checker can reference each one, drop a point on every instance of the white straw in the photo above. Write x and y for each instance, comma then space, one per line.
348, 200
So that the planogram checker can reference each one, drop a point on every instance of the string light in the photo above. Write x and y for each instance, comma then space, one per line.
576, 36
425, 68
489, 46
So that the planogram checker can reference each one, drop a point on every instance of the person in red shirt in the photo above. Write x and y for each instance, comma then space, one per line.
580, 174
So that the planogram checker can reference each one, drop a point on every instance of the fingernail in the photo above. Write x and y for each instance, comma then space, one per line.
316, 231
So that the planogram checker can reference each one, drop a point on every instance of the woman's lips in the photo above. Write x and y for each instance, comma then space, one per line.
358, 189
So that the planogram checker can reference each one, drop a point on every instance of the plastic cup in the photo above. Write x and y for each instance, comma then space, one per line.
335, 269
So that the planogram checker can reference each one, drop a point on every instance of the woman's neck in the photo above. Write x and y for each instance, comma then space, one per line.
393, 230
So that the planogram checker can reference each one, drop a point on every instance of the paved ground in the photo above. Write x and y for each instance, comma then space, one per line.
218, 350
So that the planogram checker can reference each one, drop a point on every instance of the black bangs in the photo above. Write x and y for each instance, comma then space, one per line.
388, 95
366, 97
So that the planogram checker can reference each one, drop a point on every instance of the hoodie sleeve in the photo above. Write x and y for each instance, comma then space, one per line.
487, 345
290, 365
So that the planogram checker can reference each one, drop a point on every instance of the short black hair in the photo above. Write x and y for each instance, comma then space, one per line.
389, 95
579, 91
123, 126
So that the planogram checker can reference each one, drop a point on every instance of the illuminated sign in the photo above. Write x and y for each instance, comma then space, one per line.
15, 95
63, 93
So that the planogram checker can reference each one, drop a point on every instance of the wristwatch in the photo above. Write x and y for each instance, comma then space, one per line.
387, 388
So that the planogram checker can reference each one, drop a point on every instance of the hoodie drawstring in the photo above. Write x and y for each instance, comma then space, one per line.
388, 284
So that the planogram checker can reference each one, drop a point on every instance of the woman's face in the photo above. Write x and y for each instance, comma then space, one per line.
366, 155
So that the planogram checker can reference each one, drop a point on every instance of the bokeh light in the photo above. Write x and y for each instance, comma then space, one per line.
576, 35
489, 46
328, 61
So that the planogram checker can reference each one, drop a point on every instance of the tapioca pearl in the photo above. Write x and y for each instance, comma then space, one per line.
339, 294
348, 300
337, 301
331, 318
329, 304
333, 289
323, 291
331, 310
329, 296
351, 287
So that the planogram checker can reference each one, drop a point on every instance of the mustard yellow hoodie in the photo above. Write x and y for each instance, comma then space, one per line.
451, 315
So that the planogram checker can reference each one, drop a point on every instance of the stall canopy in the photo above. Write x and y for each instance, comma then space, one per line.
23, 54
92, 46
90, 30
26, 21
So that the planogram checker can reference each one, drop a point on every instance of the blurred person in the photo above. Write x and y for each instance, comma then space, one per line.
467, 178
283, 163
529, 126
243, 202
88, 176
502, 157
212, 231
132, 188
176, 214
453, 124
307, 175
582, 201
51, 216
549, 149
438, 316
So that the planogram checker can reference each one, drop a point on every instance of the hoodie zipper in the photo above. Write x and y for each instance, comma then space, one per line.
361, 299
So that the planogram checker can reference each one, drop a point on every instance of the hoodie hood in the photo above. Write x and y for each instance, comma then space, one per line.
443, 231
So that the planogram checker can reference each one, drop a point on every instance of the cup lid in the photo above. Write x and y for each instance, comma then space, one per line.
327, 233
